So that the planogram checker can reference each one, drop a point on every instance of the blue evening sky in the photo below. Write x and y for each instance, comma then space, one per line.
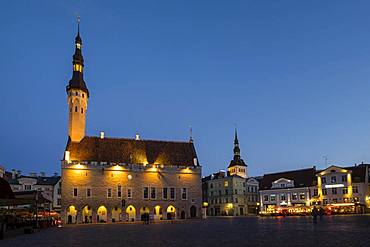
292, 75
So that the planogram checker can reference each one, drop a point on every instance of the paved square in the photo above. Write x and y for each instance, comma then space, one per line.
235, 231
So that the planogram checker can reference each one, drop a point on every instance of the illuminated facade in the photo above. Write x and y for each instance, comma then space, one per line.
342, 190
122, 179
287, 192
337, 190
233, 194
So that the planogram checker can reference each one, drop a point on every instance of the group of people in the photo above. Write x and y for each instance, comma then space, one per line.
317, 212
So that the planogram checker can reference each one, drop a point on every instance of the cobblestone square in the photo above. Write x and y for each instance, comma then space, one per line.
234, 231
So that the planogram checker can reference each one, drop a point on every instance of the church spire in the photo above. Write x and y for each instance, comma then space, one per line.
77, 81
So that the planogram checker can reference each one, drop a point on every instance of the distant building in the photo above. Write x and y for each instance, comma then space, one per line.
49, 186
338, 190
343, 189
122, 179
287, 192
232, 193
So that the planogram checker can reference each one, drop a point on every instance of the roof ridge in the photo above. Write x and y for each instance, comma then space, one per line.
133, 139
304, 169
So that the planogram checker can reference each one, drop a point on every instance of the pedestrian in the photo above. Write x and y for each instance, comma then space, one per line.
321, 213
314, 214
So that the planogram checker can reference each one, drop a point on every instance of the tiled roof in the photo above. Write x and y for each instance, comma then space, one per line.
358, 173
131, 151
48, 180
302, 178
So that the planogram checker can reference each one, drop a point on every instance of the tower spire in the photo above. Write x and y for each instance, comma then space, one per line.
78, 93
77, 81
236, 141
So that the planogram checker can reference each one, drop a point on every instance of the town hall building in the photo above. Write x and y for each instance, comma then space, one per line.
122, 179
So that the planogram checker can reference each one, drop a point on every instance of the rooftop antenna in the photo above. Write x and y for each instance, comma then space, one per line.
326, 160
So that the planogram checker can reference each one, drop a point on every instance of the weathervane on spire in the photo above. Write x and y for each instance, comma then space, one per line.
78, 22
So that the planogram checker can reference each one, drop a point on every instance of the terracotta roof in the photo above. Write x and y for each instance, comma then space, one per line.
302, 178
131, 151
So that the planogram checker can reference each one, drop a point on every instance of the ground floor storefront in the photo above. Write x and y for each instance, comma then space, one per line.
130, 213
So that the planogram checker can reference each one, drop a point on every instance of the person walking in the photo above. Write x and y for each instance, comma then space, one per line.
321, 213
314, 214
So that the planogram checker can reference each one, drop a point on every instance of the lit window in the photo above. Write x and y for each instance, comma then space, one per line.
226, 183
302, 196
294, 196
78, 45
109, 192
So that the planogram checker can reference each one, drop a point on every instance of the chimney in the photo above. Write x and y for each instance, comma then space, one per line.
55, 174
195, 161
14, 174
314, 167
101, 134
42, 174
137, 137
33, 174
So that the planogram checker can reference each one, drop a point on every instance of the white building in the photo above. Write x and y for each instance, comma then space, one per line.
49, 186
286, 192
343, 189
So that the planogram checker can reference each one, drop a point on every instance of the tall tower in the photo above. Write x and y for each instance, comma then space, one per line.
237, 165
78, 94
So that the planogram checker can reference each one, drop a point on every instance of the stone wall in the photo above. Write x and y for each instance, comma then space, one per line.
100, 178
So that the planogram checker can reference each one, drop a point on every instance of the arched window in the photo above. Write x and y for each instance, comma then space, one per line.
82, 110
76, 108
83, 95
77, 93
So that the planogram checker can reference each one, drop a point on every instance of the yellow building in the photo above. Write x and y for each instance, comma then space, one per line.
123, 179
